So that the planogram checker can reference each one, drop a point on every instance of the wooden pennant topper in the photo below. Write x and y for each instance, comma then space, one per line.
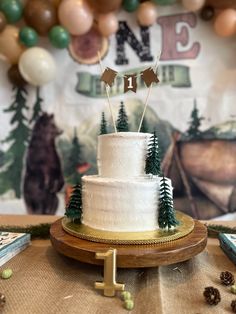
108, 76
149, 77
130, 83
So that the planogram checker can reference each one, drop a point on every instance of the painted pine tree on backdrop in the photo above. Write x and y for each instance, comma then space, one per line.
103, 125
74, 207
166, 214
195, 123
122, 124
18, 139
37, 108
153, 161
73, 161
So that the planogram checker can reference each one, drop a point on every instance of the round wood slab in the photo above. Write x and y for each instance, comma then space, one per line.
131, 256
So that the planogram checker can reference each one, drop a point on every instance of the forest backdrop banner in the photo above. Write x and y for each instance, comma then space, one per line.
192, 108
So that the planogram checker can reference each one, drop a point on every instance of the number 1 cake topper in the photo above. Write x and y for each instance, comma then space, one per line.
148, 75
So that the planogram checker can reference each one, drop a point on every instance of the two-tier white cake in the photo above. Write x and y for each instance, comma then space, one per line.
122, 197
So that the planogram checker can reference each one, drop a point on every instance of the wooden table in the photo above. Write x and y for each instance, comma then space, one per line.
46, 282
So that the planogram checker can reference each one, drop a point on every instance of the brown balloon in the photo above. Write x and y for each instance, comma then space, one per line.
41, 15
55, 2
105, 6
15, 77
3, 21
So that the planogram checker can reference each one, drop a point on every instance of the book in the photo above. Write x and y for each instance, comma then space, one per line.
228, 245
12, 243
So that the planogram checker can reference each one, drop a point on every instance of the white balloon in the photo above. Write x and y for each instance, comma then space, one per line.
193, 5
37, 66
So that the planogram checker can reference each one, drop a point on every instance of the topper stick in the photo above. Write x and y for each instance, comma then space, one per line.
107, 93
148, 94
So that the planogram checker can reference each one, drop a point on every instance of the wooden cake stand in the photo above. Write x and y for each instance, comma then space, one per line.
131, 255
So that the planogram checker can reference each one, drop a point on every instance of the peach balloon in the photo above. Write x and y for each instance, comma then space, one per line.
107, 24
193, 5
225, 23
76, 16
10, 47
147, 13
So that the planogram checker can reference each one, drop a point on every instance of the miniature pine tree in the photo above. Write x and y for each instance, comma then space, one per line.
73, 161
195, 122
122, 124
37, 110
103, 126
74, 207
18, 139
153, 162
166, 216
144, 127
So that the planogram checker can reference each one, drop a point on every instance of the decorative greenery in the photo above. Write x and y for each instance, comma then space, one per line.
72, 162
122, 124
37, 106
74, 207
166, 216
153, 161
103, 126
215, 230
18, 139
195, 122
41, 231
6, 273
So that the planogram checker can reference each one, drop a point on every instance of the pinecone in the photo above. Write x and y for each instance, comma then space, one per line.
2, 301
227, 278
212, 295
233, 306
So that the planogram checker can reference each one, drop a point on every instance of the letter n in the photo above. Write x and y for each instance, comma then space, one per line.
141, 48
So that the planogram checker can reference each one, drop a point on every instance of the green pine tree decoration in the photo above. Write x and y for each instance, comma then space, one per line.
166, 215
144, 126
103, 126
37, 109
74, 207
193, 132
122, 124
73, 160
153, 161
18, 139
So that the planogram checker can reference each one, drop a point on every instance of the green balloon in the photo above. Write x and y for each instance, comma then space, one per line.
28, 36
164, 2
59, 37
130, 5
12, 9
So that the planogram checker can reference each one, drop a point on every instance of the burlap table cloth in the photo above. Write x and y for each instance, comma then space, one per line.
46, 282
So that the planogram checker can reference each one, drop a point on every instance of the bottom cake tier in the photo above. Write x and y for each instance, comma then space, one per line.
120, 204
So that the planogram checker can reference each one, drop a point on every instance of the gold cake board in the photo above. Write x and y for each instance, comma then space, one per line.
187, 241
143, 237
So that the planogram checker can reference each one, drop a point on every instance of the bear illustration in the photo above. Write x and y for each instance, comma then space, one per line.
43, 174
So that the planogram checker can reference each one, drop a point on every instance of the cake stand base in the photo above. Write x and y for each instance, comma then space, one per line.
131, 256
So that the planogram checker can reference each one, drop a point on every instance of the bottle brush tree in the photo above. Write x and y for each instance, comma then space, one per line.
166, 214
103, 125
74, 207
122, 124
153, 161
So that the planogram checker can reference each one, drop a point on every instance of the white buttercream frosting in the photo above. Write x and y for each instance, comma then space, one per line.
122, 197
120, 204
122, 154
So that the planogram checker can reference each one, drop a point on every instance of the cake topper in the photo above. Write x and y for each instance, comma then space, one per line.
148, 75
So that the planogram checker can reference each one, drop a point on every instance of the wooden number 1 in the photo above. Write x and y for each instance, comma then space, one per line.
130, 82
109, 285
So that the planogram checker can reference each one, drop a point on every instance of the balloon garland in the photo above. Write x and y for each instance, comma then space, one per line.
70, 23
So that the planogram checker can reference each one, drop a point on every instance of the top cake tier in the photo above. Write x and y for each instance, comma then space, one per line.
122, 154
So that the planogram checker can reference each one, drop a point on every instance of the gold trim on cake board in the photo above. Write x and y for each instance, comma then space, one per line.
145, 237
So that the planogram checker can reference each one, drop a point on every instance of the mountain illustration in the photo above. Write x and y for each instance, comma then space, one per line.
224, 131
